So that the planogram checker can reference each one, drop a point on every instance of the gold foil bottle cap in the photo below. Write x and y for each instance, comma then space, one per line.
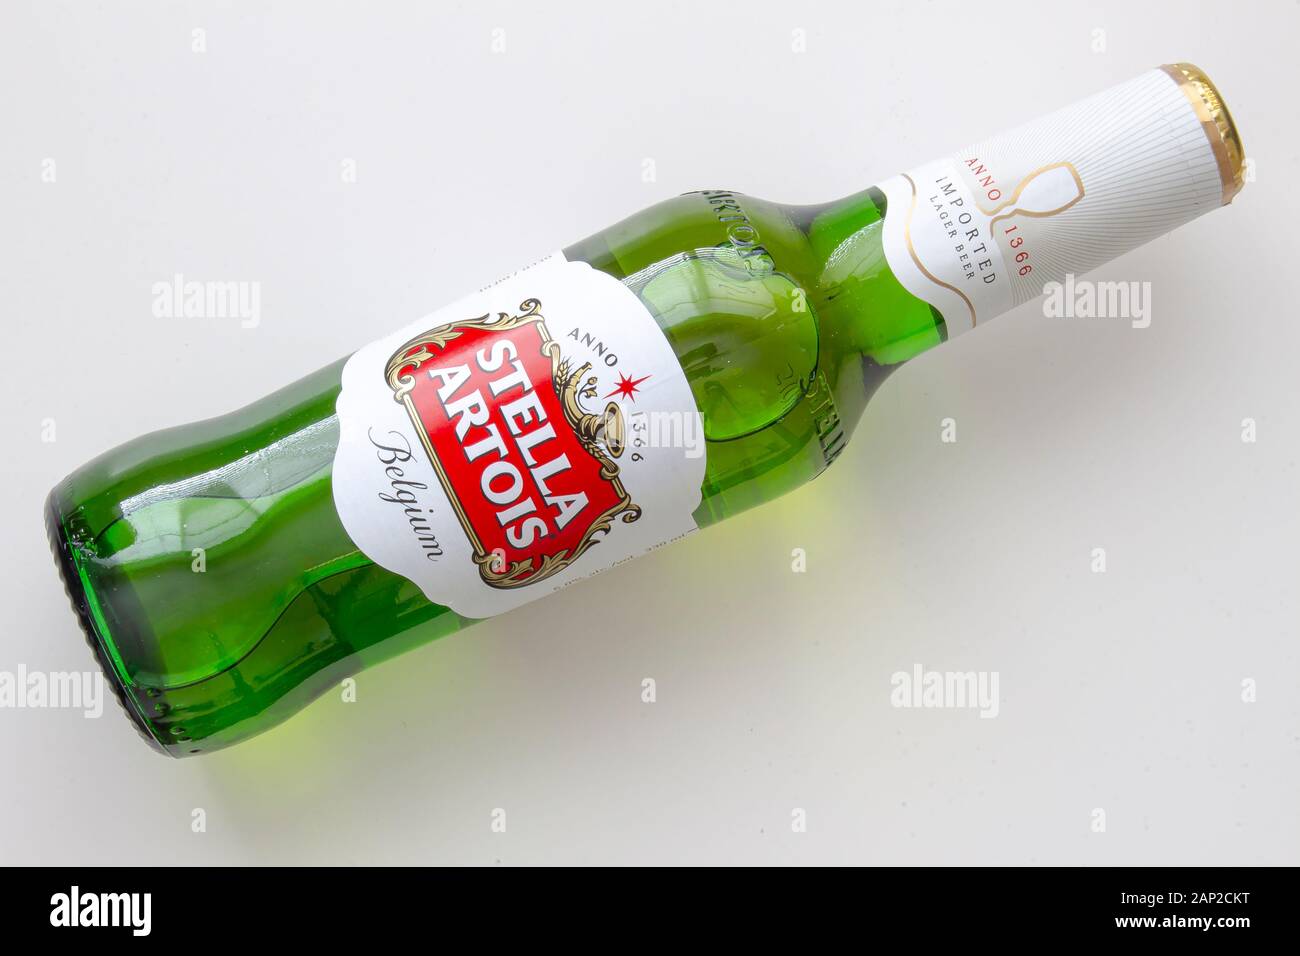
1217, 123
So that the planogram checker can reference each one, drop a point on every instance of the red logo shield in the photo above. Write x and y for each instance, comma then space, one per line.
529, 471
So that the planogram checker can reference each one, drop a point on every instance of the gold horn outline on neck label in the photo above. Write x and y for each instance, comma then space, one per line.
1015, 196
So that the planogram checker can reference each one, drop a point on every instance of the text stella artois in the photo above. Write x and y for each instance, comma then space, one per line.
529, 471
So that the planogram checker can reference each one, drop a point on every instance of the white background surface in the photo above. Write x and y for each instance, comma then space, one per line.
1119, 691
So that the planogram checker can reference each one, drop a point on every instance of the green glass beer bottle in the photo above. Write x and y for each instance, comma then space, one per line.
701, 357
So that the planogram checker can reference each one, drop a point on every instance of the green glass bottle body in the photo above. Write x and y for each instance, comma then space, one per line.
219, 588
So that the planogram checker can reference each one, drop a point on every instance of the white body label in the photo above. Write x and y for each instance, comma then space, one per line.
518, 440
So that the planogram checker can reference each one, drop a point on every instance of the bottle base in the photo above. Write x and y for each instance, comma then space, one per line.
76, 592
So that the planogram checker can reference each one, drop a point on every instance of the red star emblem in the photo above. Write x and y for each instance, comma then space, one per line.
626, 387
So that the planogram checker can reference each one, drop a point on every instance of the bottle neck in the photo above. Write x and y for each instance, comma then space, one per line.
858, 291
1000, 223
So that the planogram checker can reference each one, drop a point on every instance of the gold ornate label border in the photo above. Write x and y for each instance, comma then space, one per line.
600, 435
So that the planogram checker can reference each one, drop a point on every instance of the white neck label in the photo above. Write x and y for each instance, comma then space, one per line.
984, 230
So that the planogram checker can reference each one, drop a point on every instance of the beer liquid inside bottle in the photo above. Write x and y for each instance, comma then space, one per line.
699, 358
